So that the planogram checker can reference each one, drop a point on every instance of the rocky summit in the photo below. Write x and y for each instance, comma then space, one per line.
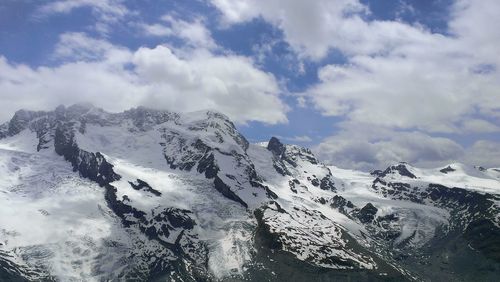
149, 195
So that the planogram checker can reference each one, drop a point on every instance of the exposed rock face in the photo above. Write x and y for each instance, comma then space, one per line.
310, 236
286, 160
340, 203
276, 147
144, 186
447, 169
484, 236
367, 213
400, 169
225, 190
90, 165
278, 150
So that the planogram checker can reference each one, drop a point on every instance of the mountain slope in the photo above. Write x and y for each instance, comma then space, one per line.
147, 194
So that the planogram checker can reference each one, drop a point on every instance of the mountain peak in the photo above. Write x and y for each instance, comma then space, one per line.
447, 169
401, 168
21, 119
275, 146
164, 173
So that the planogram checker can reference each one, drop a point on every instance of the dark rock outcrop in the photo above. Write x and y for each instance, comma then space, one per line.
90, 165
276, 147
367, 213
225, 190
447, 169
327, 183
144, 186
484, 236
401, 169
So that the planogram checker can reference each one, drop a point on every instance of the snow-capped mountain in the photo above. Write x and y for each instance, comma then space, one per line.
87, 195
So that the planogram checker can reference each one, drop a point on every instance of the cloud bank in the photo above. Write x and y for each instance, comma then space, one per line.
117, 78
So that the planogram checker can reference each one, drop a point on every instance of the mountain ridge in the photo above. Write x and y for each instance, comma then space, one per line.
279, 201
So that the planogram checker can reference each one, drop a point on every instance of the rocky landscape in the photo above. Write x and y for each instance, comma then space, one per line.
87, 195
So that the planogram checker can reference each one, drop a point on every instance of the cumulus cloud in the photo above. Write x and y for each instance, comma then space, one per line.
434, 92
397, 74
428, 81
401, 83
227, 83
117, 78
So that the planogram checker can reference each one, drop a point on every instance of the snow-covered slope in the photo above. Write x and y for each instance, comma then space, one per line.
147, 194
54, 223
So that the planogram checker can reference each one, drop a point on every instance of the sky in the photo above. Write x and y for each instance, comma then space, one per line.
364, 83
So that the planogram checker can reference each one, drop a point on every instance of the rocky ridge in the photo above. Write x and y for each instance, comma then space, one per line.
380, 225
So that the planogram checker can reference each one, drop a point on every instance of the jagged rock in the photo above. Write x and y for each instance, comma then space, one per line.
401, 169
121, 209
341, 203
143, 185
327, 184
276, 147
90, 165
225, 190
367, 213
447, 169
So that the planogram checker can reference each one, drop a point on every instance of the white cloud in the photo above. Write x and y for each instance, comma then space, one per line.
117, 78
311, 27
194, 32
107, 12
368, 150
429, 92
77, 46
228, 83
397, 75
421, 83
432, 82
399, 84
484, 153
368, 147
475, 24
156, 29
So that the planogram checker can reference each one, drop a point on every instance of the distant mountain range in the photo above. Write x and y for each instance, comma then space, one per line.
149, 195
